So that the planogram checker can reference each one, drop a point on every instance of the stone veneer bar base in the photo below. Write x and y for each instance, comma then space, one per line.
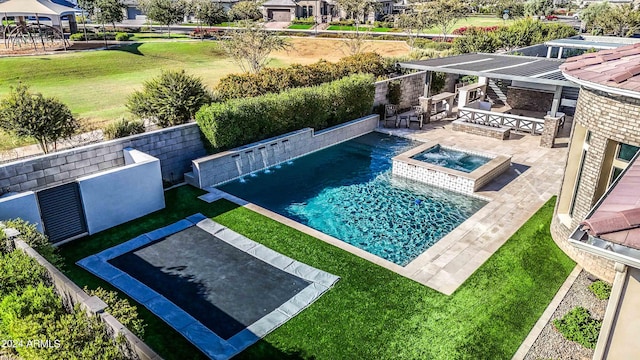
454, 180
206, 340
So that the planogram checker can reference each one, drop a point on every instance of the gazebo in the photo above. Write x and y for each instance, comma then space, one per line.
24, 33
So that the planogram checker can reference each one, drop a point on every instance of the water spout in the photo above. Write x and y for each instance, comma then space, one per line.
263, 152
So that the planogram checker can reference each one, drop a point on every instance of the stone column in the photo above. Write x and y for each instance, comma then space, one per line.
548, 136
557, 96
427, 83
463, 98
425, 103
549, 50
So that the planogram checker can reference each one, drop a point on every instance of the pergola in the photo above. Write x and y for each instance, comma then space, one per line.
23, 32
536, 73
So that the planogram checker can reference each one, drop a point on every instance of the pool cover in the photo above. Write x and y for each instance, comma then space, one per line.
219, 289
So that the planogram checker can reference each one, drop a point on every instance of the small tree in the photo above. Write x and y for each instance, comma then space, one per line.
208, 12
594, 11
109, 12
246, 10
250, 46
166, 12
538, 7
622, 20
171, 99
45, 119
445, 14
88, 7
414, 21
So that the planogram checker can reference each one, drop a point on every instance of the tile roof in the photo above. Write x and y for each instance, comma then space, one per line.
617, 219
618, 68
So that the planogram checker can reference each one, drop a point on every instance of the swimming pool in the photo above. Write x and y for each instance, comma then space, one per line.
451, 159
347, 191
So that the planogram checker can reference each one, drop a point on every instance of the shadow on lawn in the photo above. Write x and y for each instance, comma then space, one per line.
132, 49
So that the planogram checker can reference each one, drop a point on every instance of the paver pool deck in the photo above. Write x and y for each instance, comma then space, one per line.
534, 177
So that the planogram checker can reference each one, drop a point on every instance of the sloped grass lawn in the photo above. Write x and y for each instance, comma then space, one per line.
372, 313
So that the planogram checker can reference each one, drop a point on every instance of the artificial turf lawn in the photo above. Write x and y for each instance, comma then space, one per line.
371, 313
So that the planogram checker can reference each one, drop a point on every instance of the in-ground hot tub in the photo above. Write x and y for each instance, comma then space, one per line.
454, 169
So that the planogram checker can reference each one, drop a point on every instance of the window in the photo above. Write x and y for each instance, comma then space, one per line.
310, 10
575, 189
304, 12
626, 152
588, 138
614, 174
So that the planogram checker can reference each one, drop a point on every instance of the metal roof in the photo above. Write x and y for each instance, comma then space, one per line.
498, 66
592, 42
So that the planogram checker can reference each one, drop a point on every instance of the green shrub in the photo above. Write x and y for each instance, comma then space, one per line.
578, 325
123, 128
429, 44
275, 80
76, 37
36, 312
348, 22
171, 99
242, 121
18, 271
304, 21
394, 92
600, 289
121, 36
126, 314
93, 36
30, 235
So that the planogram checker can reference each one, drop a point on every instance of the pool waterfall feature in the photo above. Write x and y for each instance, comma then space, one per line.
242, 161
458, 170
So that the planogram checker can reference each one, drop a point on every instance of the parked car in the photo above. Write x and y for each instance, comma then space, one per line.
551, 18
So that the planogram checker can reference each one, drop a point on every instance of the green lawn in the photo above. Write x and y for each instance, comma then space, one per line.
300, 26
371, 313
95, 85
362, 28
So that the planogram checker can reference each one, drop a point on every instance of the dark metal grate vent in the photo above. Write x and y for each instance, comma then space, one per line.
62, 212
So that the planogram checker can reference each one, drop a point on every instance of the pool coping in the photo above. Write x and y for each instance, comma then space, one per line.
493, 168
200, 336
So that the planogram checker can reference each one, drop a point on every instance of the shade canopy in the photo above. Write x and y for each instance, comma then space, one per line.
44, 8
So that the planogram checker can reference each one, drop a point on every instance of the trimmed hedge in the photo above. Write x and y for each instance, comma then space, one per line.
275, 80
243, 121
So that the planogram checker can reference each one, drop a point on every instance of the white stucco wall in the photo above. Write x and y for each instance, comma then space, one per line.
24, 206
119, 195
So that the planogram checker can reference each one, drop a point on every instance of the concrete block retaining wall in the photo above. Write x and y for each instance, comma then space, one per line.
175, 147
412, 86
218, 168
73, 294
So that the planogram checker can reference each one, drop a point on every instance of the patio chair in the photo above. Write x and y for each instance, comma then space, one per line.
391, 112
417, 116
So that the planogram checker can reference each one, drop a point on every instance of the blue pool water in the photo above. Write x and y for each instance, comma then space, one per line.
347, 191
451, 159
